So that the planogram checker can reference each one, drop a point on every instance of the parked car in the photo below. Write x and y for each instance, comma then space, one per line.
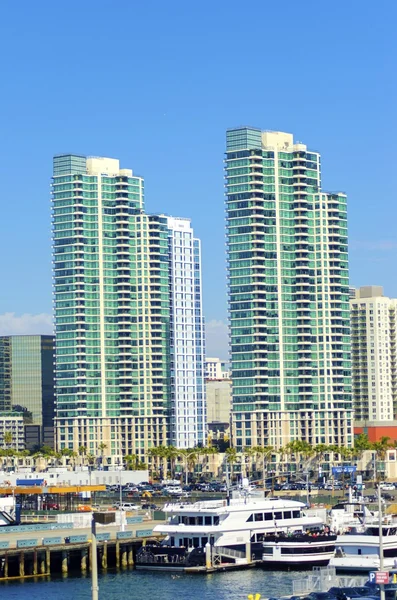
128, 506
388, 487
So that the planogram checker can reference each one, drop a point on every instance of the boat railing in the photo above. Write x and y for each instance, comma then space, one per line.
228, 552
299, 537
321, 579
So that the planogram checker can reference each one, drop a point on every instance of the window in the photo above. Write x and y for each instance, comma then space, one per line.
258, 516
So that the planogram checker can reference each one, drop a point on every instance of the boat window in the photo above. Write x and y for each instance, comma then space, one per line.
287, 514
192, 520
268, 516
278, 516
196, 542
204, 541
199, 520
185, 520
216, 520
250, 518
208, 520
267, 550
258, 516
260, 537
172, 541
296, 514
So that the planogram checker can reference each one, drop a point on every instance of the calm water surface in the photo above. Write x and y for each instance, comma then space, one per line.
138, 585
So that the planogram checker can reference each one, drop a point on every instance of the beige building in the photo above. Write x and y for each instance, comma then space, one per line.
219, 406
374, 357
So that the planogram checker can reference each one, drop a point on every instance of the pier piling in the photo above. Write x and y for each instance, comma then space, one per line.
124, 557
118, 554
42, 563
35, 562
105, 556
22, 564
84, 554
64, 562
130, 556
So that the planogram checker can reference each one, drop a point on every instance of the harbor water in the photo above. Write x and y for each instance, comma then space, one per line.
136, 585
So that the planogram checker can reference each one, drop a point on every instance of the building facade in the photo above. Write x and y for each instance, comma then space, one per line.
27, 383
12, 430
219, 407
188, 409
288, 294
113, 289
374, 355
215, 368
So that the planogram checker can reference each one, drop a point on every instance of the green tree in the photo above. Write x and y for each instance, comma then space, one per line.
7, 438
265, 453
133, 463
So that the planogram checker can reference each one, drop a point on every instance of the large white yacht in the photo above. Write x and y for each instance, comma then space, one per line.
276, 532
358, 550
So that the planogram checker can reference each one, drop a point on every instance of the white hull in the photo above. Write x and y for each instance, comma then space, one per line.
360, 563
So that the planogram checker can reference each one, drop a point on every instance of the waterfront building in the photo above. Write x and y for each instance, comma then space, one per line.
215, 368
374, 355
116, 276
288, 294
27, 384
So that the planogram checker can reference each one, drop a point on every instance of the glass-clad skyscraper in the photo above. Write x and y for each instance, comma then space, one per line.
27, 382
288, 294
113, 306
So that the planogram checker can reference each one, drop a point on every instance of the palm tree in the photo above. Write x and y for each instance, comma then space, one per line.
266, 452
206, 451
320, 450
189, 457
248, 454
231, 458
102, 447
380, 448
82, 453
134, 463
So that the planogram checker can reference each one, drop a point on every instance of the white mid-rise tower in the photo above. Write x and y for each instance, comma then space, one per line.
374, 359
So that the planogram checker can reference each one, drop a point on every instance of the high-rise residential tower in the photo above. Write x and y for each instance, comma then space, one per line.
113, 284
188, 410
288, 294
27, 383
374, 355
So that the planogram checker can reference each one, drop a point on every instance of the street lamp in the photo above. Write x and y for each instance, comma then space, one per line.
103, 519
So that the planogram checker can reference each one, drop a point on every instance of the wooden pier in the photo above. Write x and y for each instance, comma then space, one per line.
25, 556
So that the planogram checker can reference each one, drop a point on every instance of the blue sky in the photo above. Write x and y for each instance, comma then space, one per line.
156, 84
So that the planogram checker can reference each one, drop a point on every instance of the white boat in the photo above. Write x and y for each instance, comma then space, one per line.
359, 551
275, 532
352, 514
